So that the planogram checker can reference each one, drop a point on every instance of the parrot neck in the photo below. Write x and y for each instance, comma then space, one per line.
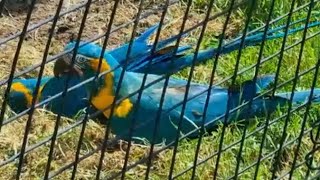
127, 80
104, 91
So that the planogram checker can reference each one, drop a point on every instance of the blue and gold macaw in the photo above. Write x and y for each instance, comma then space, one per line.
22, 90
103, 94
162, 62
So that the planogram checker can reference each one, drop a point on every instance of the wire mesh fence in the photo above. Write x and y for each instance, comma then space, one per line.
159, 89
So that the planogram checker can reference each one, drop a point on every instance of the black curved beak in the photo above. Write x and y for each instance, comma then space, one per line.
63, 66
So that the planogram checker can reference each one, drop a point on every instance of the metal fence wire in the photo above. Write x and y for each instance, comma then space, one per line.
168, 89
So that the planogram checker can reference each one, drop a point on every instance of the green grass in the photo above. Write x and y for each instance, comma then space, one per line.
252, 144
66, 145
249, 56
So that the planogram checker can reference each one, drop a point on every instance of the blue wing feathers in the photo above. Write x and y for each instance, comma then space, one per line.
146, 35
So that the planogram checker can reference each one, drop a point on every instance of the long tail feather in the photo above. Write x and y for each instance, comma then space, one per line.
300, 97
275, 33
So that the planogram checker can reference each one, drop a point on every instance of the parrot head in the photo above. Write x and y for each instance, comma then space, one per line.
63, 65
102, 90
85, 67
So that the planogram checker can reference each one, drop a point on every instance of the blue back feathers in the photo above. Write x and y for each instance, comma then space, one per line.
74, 101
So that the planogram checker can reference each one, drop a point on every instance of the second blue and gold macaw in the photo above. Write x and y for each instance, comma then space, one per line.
103, 93
21, 93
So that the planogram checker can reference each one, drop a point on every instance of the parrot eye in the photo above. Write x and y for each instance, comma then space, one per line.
80, 59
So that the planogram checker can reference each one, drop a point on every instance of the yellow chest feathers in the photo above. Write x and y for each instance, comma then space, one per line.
105, 96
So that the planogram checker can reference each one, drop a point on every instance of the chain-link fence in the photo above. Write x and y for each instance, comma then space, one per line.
188, 89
